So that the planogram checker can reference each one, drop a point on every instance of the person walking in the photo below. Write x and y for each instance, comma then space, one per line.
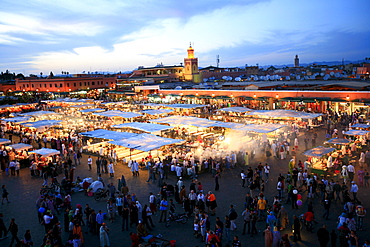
13, 229
232, 216
163, 209
268, 237
103, 234
247, 220
354, 190
296, 229
243, 177
2, 227
323, 236
89, 162
5, 194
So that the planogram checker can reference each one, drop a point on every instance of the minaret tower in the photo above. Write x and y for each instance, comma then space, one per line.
191, 66
296, 61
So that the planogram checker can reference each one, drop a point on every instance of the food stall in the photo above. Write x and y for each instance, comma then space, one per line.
317, 159
20, 150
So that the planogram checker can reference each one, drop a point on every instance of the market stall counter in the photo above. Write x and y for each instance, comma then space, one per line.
317, 158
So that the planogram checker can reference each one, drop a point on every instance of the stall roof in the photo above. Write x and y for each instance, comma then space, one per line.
147, 127
4, 141
20, 146
92, 110
157, 112
283, 114
261, 128
108, 134
184, 120
229, 125
235, 109
361, 126
339, 141
153, 104
42, 123
16, 119
82, 106
37, 113
118, 114
184, 106
146, 142
318, 151
356, 132
45, 152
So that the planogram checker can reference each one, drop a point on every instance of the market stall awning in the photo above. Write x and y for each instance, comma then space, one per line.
339, 141
356, 132
146, 142
118, 114
20, 146
261, 128
283, 114
157, 112
361, 126
108, 134
153, 104
235, 109
38, 113
82, 106
184, 120
91, 110
45, 152
185, 106
16, 119
147, 127
42, 124
229, 125
318, 151
4, 141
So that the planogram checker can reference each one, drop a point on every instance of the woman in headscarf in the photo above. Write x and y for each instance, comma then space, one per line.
276, 237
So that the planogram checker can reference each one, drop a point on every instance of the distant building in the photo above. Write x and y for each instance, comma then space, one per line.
65, 84
296, 61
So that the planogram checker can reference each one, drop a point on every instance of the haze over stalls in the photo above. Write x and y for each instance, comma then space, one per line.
42, 36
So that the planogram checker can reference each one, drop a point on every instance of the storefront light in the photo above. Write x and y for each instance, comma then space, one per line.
348, 98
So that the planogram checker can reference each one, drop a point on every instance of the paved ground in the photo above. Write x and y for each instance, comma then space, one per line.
24, 191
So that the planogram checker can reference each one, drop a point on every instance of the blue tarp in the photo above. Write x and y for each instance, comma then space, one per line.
361, 126
146, 142
147, 127
157, 112
356, 132
235, 109
318, 151
338, 141
118, 114
108, 134
4, 141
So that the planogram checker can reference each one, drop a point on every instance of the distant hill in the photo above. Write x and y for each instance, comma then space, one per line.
329, 63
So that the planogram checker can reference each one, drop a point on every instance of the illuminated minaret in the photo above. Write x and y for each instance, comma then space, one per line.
296, 61
191, 66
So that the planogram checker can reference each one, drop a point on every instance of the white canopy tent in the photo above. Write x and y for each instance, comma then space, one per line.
147, 127
118, 114
283, 114
108, 134
45, 152
92, 110
157, 112
17, 119
183, 120
146, 142
38, 113
184, 106
42, 124
20, 146
235, 109
261, 128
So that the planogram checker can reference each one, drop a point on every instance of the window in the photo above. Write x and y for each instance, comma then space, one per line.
56, 85
67, 84
93, 83
44, 85
40, 85
74, 84
32, 85
51, 85
61, 85
88, 83
80, 84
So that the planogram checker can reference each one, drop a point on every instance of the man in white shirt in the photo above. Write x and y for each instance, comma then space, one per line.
351, 171
243, 176
267, 171
354, 190
89, 162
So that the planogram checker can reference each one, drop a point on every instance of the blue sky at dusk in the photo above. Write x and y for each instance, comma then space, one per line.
95, 35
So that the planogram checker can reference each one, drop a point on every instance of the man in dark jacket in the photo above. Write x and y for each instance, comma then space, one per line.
324, 236
297, 229
2, 227
13, 229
